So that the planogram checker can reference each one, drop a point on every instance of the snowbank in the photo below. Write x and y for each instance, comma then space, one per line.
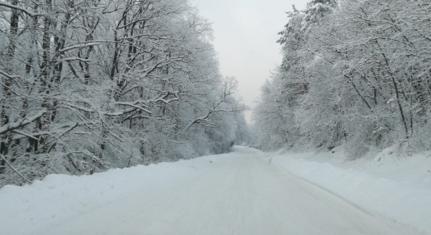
60, 198
386, 184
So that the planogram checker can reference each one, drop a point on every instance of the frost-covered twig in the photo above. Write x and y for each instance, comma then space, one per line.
22, 122
10, 76
24, 134
83, 45
134, 105
31, 14
14, 169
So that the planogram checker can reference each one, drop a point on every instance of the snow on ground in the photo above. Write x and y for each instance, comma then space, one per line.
394, 186
241, 193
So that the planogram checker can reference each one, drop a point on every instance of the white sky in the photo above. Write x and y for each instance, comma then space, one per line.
245, 34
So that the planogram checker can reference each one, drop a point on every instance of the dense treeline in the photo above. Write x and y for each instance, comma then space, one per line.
355, 73
89, 85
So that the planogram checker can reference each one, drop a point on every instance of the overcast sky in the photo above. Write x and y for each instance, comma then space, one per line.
245, 35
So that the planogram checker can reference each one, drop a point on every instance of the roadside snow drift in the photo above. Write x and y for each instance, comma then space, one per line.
393, 186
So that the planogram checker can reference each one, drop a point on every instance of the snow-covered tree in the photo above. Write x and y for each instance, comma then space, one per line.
89, 85
363, 67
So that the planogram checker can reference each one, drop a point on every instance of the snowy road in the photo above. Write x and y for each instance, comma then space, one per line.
241, 193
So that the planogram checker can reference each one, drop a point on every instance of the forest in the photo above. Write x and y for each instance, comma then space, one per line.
89, 85
137, 117
355, 73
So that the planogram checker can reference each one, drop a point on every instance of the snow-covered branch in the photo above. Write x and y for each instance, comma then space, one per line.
135, 105
82, 45
23, 10
9, 164
21, 123
10, 76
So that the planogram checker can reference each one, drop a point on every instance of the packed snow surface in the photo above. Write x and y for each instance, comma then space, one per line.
246, 192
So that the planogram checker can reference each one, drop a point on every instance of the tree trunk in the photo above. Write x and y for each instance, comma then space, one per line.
397, 91
5, 117
45, 88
